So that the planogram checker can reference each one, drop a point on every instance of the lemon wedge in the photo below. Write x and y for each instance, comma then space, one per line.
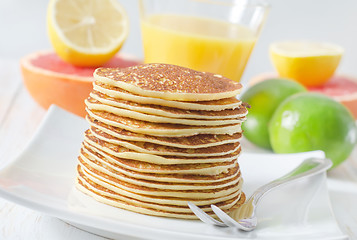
86, 33
310, 63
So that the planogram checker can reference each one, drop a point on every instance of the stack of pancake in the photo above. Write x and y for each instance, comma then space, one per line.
161, 135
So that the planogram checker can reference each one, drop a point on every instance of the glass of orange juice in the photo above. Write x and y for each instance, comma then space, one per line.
207, 35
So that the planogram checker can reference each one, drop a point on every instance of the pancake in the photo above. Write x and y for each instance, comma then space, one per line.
174, 202
152, 190
152, 148
156, 189
140, 166
131, 169
213, 105
195, 141
93, 104
169, 82
162, 203
159, 136
111, 198
105, 172
168, 112
123, 152
160, 129
104, 184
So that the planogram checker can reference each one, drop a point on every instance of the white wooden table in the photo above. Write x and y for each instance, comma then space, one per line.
19, 118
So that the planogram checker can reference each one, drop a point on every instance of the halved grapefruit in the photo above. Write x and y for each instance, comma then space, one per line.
339, 87
50, 80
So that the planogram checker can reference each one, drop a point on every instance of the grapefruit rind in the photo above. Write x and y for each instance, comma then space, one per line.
67, 91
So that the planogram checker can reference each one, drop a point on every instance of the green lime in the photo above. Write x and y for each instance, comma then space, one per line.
264, 97
312, 121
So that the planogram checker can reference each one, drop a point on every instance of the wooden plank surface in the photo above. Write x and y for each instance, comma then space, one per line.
19, 119
10, 81
17, 222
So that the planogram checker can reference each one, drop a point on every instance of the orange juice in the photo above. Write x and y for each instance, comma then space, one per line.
198, 43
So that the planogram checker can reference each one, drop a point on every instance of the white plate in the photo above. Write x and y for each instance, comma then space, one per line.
42, 177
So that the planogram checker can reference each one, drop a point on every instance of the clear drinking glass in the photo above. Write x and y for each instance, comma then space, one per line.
214, 36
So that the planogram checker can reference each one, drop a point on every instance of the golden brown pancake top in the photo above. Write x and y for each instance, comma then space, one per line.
170, 78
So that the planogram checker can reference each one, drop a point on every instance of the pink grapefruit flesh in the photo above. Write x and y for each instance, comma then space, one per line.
49, 80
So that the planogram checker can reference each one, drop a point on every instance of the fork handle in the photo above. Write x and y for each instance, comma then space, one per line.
307, 168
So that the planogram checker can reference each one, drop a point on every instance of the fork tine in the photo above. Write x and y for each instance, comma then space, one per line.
228, 220
204, 217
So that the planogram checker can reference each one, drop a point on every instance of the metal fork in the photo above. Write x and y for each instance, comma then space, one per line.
244, 217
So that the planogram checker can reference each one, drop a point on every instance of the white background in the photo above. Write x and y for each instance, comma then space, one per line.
23, 29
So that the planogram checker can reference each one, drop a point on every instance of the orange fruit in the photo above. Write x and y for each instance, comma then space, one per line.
310, 63
49, 80
339, 87
86, 33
